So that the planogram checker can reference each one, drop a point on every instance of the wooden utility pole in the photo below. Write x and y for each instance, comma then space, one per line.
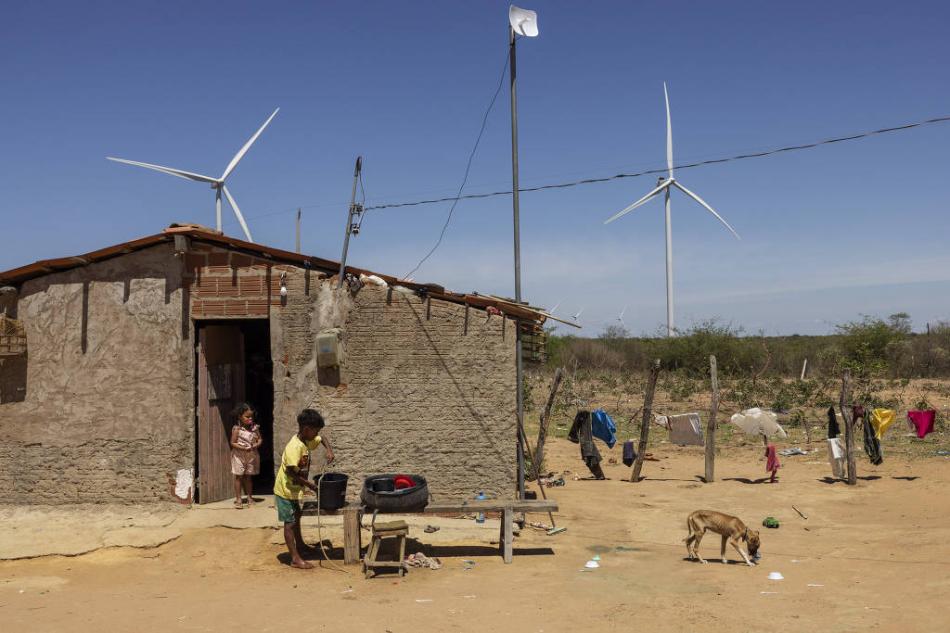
645, 423
298, 230
711, 423
848, 427
545, 418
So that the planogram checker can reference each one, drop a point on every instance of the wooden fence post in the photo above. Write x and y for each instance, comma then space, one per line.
711, 423
645, 424
545, 418
848, 427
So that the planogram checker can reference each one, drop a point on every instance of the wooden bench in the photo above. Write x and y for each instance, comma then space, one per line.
353, 513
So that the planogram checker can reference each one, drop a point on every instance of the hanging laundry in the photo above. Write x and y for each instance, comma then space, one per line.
580, 433
755, 421
836, 456
857, 413
922, 422
833, 430
686, 430
603, 427
881, 419
629, 453
772, 464
872, 446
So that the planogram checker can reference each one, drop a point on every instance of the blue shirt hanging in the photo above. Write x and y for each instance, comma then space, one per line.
603, 428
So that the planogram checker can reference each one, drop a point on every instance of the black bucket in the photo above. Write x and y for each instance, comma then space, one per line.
332, 490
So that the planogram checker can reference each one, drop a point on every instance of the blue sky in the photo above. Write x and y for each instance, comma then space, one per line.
828, 234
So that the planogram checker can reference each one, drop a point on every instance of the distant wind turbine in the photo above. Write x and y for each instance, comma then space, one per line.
620, 318
556, 305
216, 183
578, 315
665, 185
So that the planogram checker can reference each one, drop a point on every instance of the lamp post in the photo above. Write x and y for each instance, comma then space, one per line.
525, 23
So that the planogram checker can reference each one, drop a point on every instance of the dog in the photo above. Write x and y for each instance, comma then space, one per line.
729, 527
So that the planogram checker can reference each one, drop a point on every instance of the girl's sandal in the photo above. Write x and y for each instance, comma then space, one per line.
238, 505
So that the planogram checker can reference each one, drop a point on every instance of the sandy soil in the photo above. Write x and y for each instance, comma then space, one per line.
872, 557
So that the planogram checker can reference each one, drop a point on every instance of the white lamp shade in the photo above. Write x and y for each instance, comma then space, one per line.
523, 21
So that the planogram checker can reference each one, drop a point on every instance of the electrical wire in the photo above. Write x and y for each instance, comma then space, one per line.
663, 170
468, 167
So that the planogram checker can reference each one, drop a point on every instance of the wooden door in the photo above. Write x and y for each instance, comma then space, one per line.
220, 388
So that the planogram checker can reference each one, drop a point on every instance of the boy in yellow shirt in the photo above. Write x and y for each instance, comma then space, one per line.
293, 476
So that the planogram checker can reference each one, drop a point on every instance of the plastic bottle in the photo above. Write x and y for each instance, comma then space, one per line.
480, 517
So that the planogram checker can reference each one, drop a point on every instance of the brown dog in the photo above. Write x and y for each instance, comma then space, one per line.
730, 528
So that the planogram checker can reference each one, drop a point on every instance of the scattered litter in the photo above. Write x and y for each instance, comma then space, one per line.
421, 560
788, 452
429, 529
595, 557
551, 480
811, 584
795, 560
943, 452
468, 564
423, 599
470, 596
591, 564
764, 593
800, 513
770, 522
776, 576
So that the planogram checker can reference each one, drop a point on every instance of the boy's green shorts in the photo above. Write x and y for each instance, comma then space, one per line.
287, 510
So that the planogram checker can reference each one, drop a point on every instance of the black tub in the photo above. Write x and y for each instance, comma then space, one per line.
332, 490
379, 493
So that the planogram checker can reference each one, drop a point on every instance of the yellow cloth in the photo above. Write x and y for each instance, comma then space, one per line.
881, 419
296, 456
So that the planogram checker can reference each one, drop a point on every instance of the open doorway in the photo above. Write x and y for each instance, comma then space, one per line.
233, 364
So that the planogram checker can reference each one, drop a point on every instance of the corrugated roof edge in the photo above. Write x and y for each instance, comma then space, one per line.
16, 276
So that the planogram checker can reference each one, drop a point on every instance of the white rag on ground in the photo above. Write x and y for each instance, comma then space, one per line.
664, 421
836, 457
686, 429
755, 421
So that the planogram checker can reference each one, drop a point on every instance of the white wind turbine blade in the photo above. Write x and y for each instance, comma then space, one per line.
708, 208
669, 133
578, 315
659, 188
237, 212
237, 157
165, 170
622, 313
551, 311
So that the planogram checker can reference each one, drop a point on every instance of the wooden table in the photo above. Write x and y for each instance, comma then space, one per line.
353, 512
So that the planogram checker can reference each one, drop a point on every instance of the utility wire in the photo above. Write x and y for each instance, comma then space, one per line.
663, 170
468, 167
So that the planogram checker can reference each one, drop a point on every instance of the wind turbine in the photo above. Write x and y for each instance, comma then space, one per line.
216, 183
578, 315
556, 306
620, 318
665, 186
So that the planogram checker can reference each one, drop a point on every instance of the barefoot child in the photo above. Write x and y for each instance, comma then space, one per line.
245, 456
293, 476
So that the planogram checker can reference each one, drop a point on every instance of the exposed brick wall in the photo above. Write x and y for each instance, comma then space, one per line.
418, 392
225, 284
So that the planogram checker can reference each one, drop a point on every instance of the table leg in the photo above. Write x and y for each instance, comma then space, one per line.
507, 533
352, 541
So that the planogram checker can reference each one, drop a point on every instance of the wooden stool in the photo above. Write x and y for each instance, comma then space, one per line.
393, 529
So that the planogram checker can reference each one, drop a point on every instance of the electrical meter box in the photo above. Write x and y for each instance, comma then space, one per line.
329, 348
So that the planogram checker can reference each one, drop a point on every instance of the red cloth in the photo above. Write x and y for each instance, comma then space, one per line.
771, 459
402, 482
923, 421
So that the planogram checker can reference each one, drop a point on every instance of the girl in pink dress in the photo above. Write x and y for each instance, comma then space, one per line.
245, 456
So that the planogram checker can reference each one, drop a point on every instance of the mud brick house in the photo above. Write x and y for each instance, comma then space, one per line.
118, 369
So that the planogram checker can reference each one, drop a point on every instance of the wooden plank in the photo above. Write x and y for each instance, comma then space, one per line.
545, 419
710, 475
645, 423
494, 505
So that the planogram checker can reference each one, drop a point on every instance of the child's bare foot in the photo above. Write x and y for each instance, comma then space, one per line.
301, 564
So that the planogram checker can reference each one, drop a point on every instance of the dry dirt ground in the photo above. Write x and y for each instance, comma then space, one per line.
872, 557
